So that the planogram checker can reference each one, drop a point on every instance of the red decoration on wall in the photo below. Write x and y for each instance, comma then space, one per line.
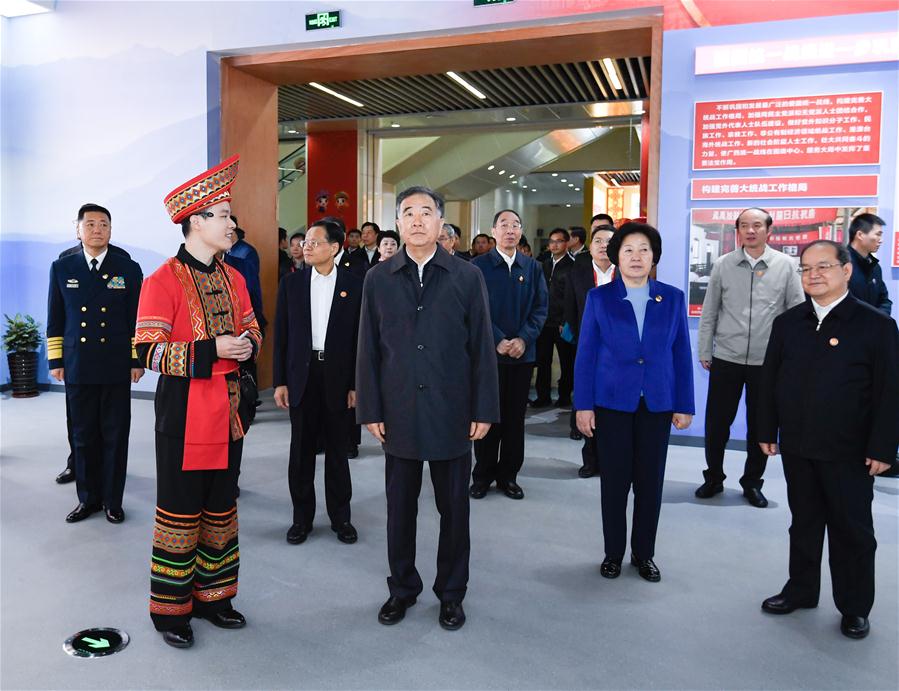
332, 176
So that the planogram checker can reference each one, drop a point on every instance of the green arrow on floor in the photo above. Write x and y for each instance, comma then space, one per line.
95, 644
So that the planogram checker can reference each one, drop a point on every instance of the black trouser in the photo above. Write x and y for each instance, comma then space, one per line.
307, 421
726, 381
836, 496
588, 450
70, 461
500, 454
196, 557
548, 339
403, 482
101, 423
634, 447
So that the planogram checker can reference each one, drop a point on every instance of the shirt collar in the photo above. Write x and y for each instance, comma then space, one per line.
317, 276
506, 258
600, 271
100, 257
821, 311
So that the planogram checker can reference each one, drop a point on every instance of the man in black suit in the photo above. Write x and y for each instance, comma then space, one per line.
554, 268
427, 387
68, 475
91, 314
316, 330
367, 256
830, 388
589, 271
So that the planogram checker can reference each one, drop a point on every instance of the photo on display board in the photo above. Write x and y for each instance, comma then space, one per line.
712, 235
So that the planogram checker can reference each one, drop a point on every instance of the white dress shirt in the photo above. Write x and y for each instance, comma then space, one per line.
603, 277
321, 294
822, 312
421, 267
371, 252
100, 257
506, 258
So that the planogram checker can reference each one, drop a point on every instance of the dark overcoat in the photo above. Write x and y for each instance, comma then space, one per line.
426, 365
293, 336
832, 393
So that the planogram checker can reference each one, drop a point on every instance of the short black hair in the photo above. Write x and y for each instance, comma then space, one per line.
337, 220
562, 231
503, 211
768, 220
842, 251
523, 242
388, 234
863, 223
299, 234
354, 231
480, 235
634, 228
333, 229
603, 217
579, 233
86, 208
372, 224
282, 234
410, 191
597, 229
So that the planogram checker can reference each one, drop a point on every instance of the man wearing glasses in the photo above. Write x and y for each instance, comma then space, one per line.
748, 288
518, 305
829, 403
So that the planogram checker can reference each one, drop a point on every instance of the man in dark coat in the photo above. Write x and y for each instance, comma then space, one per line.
68, 475
426, 386
866, 282
830, 388
518, 303
554, 269
91, 314
367, 255
316, 329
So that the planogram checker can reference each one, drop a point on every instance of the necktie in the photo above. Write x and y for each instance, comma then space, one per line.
94, 266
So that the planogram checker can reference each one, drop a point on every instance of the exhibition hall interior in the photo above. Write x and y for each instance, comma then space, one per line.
678, 471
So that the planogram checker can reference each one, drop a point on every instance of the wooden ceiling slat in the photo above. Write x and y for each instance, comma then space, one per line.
573, 77
598, 78
521, 85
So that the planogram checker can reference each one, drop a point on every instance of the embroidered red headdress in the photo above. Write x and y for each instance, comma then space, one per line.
206, 189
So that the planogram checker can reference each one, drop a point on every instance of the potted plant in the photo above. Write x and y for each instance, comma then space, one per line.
21, 341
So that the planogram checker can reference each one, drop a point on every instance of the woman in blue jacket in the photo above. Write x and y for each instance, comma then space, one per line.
633, 378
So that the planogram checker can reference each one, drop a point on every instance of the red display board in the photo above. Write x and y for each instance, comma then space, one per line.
895, 252
817, 186
793, 131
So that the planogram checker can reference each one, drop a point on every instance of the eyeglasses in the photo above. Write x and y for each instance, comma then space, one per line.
312, 244
820, 268
515, 225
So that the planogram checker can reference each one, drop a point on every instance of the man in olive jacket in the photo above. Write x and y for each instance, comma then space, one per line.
426, 387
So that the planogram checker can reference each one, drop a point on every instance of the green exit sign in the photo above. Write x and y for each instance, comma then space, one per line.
484, 3
322, 20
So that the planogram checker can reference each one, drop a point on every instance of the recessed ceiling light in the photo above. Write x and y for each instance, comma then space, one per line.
461, 82
571, 184
511, 119
394, 124
491, 167
512, 175
568, 206
613, 74
502, 172
563, 180
577, 189
555, 175
291, 131
318, 86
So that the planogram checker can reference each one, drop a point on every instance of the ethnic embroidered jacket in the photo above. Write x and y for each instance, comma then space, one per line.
184, 306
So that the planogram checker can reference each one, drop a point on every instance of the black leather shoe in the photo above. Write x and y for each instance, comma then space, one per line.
510, 489
346, 533
66, 476
709, 489
179, 637
352, 452
394, 610
755, 497
297, 534
227, 619
82, 511
540, 403
478, 489
115, 515
647, 569
780, 604
575, 435
586, 470
610, 568
452, 616
855, 627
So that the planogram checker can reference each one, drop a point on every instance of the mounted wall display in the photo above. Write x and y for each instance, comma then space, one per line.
794, 131
764, 187
331, 159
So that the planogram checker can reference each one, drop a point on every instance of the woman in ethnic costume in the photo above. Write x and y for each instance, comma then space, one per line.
194, 324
